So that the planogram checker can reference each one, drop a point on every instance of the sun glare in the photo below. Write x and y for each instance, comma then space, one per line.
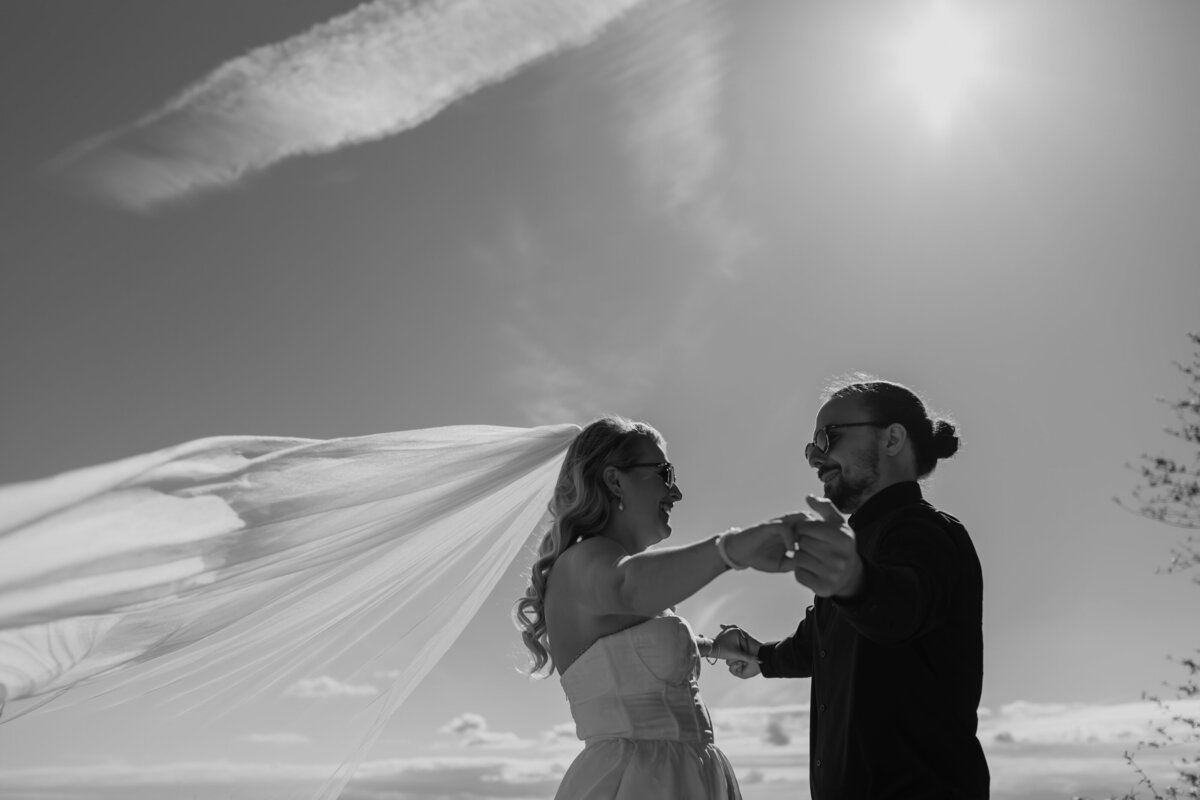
939, 61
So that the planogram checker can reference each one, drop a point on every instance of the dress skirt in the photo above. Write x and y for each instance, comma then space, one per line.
649, 769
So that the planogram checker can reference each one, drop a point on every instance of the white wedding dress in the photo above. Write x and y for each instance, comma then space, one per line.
647, 733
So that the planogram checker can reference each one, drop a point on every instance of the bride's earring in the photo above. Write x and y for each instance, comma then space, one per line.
620, 504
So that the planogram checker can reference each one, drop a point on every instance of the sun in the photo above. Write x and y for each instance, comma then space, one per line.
939, 61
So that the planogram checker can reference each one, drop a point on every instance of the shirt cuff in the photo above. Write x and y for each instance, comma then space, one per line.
765, 653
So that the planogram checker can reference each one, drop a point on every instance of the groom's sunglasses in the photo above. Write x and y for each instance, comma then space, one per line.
666, 470
822, 440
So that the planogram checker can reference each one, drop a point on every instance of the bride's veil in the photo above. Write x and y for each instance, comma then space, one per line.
218, 572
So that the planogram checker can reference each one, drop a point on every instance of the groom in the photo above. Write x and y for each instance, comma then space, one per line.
894, 640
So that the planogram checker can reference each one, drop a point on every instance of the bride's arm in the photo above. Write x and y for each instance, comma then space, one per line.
609, 581
606, 580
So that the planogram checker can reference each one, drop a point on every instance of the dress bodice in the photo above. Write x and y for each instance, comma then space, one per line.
640, 683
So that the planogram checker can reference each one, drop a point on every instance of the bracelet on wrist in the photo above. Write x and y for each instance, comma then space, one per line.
721, 551
704, 646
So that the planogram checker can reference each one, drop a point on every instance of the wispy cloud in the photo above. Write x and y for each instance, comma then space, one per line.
378, 70
562, 390
665, 68
653, 97
324, 686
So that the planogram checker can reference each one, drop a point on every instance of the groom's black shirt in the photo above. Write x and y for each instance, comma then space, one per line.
896, 672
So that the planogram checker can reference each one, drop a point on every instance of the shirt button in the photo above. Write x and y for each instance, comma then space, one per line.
817, 762
822, 654
821, 707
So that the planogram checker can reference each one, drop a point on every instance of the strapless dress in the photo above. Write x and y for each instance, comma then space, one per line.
646, 732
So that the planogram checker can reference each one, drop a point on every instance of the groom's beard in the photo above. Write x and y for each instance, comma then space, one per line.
853, 482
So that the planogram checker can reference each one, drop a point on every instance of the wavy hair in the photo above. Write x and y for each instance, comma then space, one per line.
933, 437
580, 508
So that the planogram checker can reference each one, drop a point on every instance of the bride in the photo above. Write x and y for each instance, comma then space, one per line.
598, 611
207, 573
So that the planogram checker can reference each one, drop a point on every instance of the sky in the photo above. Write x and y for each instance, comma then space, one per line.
693, 213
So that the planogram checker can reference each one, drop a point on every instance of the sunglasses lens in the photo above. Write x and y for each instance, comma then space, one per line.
668, 474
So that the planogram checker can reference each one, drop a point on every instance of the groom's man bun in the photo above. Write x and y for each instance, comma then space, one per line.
933, 438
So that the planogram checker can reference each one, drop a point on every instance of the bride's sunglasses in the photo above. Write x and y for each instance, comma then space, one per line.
665, 469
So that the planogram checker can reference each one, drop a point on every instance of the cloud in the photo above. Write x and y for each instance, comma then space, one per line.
1017, 724
1080, 723
562, 390
665, 68
325, 686
568, 371
472, 730
465, 724
1050, 751
395, 779
564, 732
481, 778
113, 774
1054, 751
378, 70
634, 124
768, 738
1035, 750
776, 735
1038, 750
758, 692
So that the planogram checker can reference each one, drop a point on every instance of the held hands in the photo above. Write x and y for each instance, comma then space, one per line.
826, 559
739, 649
768, 546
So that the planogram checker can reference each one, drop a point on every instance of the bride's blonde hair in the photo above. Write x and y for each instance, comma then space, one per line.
580, 508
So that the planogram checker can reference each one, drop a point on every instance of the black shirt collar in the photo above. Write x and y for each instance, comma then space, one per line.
895, 496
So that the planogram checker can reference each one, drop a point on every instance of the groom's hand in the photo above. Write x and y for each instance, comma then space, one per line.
768, 546
739, 649
826, 559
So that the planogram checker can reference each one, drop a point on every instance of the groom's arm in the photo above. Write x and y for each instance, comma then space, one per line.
910, 587
791, 657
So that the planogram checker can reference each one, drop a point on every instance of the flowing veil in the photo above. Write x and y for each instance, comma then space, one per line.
229, 567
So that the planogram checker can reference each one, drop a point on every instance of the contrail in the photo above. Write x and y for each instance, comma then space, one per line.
383, 68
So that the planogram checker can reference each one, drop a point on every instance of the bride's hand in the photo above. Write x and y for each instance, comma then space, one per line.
728, 646
769, 546
739, 649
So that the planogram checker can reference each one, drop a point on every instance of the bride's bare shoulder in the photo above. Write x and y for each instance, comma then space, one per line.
589, 552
